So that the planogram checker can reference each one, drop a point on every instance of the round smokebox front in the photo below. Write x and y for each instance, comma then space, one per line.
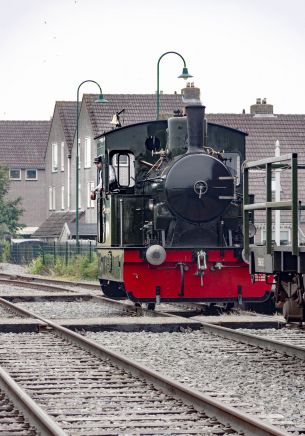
197, 188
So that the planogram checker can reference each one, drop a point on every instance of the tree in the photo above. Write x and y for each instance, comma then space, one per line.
10, 210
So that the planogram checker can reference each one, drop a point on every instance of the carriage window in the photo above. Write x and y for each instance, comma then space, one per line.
124, 168
232, 161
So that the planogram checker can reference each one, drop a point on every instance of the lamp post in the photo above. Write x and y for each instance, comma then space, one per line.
184, 75
100, 100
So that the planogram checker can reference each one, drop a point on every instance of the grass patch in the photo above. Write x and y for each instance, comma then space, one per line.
78, 267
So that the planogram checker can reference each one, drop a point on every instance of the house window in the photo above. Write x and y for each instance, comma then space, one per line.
62, 197
31, 175
90, 188
62, 156
78, 148
79, 196
53, 198
284, 235
54, 157
15, 174
50, 197
87, 153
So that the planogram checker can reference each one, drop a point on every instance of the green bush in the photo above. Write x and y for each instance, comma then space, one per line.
41, 265
78, 267
5, 251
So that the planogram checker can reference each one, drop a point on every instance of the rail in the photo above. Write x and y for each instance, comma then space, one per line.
199, 401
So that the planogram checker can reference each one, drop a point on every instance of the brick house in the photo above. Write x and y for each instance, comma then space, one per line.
22, 149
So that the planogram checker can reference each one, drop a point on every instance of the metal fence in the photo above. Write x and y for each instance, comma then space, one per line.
23, 252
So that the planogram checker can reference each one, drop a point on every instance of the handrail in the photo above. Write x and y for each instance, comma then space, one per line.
293, 204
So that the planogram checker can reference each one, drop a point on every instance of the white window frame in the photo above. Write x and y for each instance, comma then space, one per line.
31, 178
79, 159
50, 198
62, 197
53, 198
62, 156
54, 157
90, 188
87, 153
15, 178
79, 196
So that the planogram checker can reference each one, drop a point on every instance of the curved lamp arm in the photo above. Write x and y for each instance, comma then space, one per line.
185, 75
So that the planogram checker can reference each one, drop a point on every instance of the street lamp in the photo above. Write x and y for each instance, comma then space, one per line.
101, 99
184, 75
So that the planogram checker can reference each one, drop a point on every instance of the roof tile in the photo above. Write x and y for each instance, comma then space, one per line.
23, 143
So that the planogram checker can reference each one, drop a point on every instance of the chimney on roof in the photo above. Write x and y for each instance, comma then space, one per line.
261, 107
190, 94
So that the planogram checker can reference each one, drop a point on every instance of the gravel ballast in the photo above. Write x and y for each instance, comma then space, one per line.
73, 309
260, 382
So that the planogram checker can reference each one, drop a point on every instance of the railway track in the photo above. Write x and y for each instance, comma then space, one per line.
292, 335
12, 422
51, 283
259, 381
87, 389
273, 346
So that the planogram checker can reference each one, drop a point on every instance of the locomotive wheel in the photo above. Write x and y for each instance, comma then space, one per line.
151, 306
293, 312
113, 290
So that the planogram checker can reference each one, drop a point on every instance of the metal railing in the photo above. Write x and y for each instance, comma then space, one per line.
287, 161
24, 253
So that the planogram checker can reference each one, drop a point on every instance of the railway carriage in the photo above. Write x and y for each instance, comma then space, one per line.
284, 264
171, 230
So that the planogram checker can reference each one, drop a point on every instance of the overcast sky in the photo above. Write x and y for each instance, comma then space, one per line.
237, 50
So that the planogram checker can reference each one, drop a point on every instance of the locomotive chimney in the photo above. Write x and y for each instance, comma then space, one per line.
196, 124
195, 127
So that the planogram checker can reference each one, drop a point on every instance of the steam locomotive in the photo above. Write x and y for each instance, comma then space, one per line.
170, 229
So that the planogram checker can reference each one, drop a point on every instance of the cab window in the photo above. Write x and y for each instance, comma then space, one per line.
124, 167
